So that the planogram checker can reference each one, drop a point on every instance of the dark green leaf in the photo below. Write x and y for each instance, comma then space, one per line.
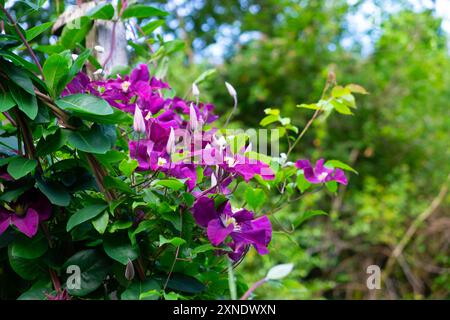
37, 30
6, 101
84, 104
55, 68
142, 11
94, 267
104, 12
20, 167
307, 215
185, 283
92, 141
85, 214
135, 290
25, 101
29, 248
119, 248
54, 191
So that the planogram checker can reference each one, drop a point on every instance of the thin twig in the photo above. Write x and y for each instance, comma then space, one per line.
24, 40
413, 228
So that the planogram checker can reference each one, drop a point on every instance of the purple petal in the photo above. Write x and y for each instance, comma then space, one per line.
303, 164
5, 219
217, 233
310, 176
27, 224
339, 176
204, 211
242, 215
140, 73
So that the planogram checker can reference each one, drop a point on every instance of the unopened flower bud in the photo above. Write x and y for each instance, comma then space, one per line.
129, 270
138, 121
195, 90
193, 121
170, 147
231, 90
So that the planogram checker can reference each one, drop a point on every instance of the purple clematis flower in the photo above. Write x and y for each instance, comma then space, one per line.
320, 173
248, 168
240, 225
31, 208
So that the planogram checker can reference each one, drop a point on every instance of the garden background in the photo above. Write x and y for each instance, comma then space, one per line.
278, 54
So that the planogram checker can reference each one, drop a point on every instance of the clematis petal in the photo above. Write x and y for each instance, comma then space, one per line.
27, 224
303, 164
5, 219
204, 211
339, 176
217, 233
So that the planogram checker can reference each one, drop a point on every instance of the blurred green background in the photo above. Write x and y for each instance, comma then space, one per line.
278, 54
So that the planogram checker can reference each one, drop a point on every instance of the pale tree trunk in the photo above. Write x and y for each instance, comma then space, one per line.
109, 35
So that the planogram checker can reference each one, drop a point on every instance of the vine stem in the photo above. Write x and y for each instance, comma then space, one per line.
330, 80
253, 288
24, 40
231, 281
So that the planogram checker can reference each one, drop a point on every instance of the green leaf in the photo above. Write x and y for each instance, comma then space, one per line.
51, 143
84, 104
142, 11
205, 75
307, 215
119, 248
20, 167
54, 191
255, 198
355, 88
275, 112
85, 214
182, 282
12, 195
29, 248
302, 183
55, 69
120, 225
28, 269
340, 107
175, 241
331, 186
74, 32
101, 222
136, 289
92, 141
6, 101
19, 76
312, 106
37, 30
37, 290
79, 63
94, 267
202, 248
103, 12
339, 164
339, 91
152, 26
25, 101
269, 119
127, 166
173, 184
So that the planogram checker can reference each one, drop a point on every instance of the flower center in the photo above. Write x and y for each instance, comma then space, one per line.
322, 176
20, 210
231, 162
161, 161
125, 85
